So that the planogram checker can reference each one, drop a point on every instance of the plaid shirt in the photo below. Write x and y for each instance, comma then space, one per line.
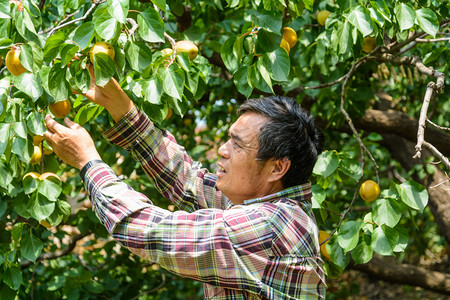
266, 248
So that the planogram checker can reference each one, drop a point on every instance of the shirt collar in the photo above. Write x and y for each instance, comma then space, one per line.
299, 193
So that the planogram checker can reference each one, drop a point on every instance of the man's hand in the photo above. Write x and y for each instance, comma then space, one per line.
111, 96
72, 143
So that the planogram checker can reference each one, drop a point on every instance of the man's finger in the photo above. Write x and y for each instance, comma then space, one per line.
49, 137
71, 124
52, 125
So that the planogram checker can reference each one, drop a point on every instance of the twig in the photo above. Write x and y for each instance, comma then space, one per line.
134, 24
88, 12
436, 152
62, 21
432, 40
174, 48
363, 148
437, 126
41, 5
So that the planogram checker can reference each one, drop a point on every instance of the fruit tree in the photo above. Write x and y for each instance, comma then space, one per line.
373, 73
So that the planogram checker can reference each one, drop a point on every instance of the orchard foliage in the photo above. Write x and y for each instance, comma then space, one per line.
239, 57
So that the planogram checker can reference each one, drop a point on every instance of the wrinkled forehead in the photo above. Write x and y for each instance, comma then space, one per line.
248, 125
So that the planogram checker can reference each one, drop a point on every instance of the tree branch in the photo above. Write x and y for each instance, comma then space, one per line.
59, 253
391, 271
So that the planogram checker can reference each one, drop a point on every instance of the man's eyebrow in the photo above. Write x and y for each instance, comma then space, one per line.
235, 137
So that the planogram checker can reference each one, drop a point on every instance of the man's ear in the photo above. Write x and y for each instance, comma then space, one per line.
279, 168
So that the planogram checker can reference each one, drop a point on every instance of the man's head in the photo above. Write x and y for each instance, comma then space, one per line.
273, 145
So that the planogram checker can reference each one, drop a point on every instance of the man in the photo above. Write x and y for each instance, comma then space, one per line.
246, 232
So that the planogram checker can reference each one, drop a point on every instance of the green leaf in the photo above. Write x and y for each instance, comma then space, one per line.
173, 82
428, 21
269, 20
227, 54
64, 207
308, 4
39, 207
403, 239
30, 84
35, 122
381, 7
241, 82
362, 253
345, 38
338, 256
238, 48
192, 82
59, 88
318, 194
104, 68
26, 56
3, 207
25, 26
104, 24
267, 41
161, 4
413, 194
360, 18
4, 10
16, 232
264, 73
67, 52
351, 168
349, 235
30, 184
256, 80
384, 240
139, 56
4, 136
49, 189
22, 148
278, 64
51, 48
20, 129
153, 89
386, 211
376, 16
12, 276
151, 26
405, 15
88, 113
31, 246
326, 164
184, 61
83, 34
118, 9
82, 80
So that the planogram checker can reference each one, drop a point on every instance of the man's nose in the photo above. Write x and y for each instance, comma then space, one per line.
224, 150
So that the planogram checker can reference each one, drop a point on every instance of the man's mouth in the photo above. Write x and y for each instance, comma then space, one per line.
220, 170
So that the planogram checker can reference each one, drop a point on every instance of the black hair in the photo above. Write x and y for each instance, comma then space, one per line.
290, 133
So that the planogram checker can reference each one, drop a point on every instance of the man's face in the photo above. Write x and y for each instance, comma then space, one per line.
240, 175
